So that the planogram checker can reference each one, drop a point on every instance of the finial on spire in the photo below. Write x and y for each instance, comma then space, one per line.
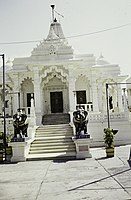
53, 17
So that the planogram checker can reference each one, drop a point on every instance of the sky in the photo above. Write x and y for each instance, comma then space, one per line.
100, 26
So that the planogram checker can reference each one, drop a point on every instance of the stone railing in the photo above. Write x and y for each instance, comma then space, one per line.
103, 117
9, 125
100, 117
87, 107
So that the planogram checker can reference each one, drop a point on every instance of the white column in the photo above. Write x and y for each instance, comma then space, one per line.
72, 94
115, 99
94, 93
32, 121
100, 101
120, 106
32, 113
125, 100
37, 96
15, 94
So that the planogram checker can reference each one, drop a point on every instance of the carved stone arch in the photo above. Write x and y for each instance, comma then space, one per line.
27, 82
51, 76
24, 76
54, 68
54, 85
26, 90
52, 72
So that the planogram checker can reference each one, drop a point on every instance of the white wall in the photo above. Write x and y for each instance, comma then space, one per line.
95, 129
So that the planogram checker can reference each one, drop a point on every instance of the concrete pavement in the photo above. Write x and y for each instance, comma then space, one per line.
95, 178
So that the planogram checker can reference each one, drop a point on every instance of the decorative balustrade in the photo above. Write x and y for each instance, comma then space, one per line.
87, 107
103, 117
97, 117
100, 116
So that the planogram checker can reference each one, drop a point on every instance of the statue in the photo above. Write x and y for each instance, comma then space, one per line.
20, 124
80, 121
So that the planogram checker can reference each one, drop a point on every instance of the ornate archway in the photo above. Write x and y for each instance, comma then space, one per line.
54, 90
27, 89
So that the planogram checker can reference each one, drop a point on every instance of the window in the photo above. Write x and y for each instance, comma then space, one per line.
81, 97
29, 96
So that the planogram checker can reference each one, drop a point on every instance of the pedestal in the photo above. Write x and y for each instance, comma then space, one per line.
19, 150
82, 147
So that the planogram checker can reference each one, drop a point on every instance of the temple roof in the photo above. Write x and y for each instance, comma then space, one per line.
55, 46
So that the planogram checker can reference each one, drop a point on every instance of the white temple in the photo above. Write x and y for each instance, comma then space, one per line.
58, 81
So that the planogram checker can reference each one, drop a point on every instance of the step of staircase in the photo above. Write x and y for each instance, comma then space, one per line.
56, 118
53, 142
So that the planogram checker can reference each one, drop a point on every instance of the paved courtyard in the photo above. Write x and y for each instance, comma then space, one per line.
95, 178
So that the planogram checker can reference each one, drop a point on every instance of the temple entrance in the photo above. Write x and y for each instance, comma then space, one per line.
56, 99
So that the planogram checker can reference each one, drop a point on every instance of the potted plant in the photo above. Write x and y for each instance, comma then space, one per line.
109, 141
8, 148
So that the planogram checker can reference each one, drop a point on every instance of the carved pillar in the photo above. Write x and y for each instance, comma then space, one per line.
37, 96
16, 93
72, 95
94, 93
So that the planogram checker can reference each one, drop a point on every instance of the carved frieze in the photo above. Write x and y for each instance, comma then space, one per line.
54, 71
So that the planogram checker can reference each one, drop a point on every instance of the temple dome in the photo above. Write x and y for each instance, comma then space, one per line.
101, 61
55, 28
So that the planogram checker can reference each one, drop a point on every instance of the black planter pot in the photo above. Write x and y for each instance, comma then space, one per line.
109, 152
1, 156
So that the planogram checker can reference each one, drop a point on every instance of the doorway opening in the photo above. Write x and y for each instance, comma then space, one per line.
56, 100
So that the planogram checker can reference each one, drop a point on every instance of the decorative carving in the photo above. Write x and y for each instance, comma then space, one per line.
52, 72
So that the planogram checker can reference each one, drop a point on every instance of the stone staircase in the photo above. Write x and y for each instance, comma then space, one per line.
53, 142
56, 118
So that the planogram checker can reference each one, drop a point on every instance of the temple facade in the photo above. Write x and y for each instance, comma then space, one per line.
59, 80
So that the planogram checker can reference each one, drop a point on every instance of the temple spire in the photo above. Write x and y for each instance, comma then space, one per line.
53, 15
